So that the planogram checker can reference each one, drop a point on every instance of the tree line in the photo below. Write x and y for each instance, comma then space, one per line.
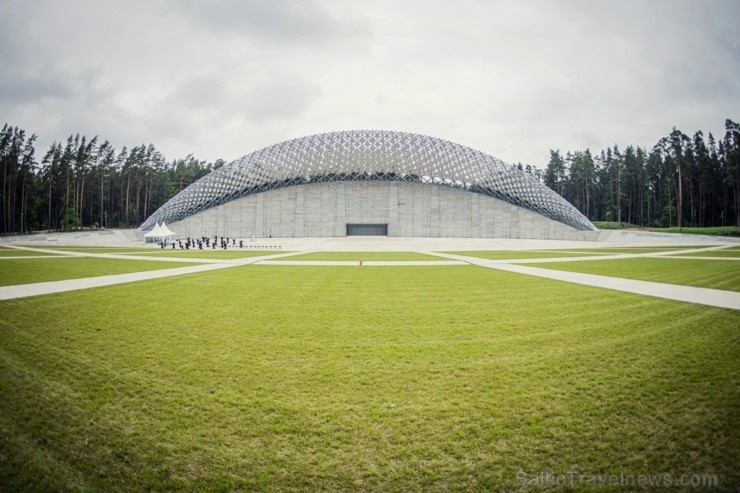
85, 183
682, 181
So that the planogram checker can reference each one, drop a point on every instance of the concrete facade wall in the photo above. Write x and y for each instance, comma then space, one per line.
409, 209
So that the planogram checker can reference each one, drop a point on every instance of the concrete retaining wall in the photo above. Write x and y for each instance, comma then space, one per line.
409, 209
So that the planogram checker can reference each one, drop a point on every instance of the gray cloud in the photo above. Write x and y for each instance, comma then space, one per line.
279, 96
222, 78
302, 22
19, 88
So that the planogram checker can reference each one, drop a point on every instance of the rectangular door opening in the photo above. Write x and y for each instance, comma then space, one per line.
367, 230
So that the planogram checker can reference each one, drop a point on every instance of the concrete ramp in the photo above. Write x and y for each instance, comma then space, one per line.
103, 237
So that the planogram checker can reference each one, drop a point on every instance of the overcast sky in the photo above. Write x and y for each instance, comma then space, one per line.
222, 78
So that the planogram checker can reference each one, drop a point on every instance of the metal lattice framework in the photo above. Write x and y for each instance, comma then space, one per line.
368, 155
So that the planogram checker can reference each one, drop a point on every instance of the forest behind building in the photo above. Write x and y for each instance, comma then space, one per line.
85, 182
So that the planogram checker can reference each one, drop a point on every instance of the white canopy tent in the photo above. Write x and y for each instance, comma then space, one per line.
159, 233
167, 232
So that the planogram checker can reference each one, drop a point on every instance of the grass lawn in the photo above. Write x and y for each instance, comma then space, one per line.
725, 252
717, 274
579, 252
357, 256
12, 252
519, 254
407, 379
25, 271
610, 224
620, 250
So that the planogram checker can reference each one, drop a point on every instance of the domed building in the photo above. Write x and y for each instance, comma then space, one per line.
371, 182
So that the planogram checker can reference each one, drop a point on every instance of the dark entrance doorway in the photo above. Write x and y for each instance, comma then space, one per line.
367, 230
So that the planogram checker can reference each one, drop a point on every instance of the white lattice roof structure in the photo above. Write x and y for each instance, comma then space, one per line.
368, 155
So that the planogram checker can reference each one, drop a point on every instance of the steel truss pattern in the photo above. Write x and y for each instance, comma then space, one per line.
368, 155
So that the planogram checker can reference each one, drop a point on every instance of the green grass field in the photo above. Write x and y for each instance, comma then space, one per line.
613, 225
702, 273
724, 252
520, 254
12, 252
621, 250
450, 378
24, 271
